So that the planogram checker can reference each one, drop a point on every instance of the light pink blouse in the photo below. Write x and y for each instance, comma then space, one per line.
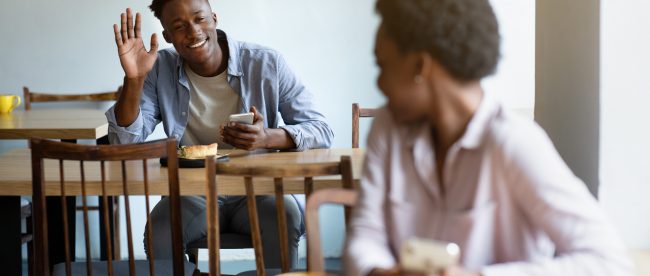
511, 204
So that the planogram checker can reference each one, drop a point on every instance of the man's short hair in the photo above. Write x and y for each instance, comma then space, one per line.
463, 35
157, 7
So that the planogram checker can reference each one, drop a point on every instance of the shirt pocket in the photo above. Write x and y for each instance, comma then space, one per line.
474, 230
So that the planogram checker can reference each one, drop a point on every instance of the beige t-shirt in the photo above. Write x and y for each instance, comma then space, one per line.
212, 100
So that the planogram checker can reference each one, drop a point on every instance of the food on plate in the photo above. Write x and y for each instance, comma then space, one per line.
197, 151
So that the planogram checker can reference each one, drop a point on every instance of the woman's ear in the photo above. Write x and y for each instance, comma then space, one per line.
166, 36
423, 65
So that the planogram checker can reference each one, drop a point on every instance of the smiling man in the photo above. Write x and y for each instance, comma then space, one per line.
192, 88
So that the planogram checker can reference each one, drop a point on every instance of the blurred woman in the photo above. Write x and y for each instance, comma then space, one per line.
446, 161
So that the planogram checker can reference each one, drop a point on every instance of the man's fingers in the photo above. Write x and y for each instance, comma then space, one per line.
230, 132
243, 127
154, 44
257, 116
137, 25
125, 36
118, 37
238, 143
129, 23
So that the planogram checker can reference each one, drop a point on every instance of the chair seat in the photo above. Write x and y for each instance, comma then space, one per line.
161, 267
227, 240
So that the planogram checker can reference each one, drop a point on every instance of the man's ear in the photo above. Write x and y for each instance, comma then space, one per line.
214, 17
166, 36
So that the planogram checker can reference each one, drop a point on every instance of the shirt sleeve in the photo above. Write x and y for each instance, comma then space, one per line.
145, 123
367, 246
558, 203
305, 125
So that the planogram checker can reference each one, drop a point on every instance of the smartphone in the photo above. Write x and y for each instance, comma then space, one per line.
428, 256
243, 118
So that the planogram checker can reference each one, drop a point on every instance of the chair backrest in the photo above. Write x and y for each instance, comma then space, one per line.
346, 197
45, 149
308, 171
358, 112
33, 97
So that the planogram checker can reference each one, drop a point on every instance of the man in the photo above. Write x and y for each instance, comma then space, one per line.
192, 89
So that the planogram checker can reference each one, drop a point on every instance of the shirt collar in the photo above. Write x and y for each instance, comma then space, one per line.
474, 133
478, 125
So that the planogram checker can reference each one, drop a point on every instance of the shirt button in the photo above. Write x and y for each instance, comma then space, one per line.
184, 113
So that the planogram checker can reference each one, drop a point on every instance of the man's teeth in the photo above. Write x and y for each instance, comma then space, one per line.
198, 44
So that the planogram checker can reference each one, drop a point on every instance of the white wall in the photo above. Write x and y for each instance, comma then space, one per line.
514, 82
625, 131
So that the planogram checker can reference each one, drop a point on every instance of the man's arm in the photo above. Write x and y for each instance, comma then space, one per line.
304, 124
136, 62
305, 127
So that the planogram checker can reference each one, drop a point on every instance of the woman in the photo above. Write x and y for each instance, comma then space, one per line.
445, 161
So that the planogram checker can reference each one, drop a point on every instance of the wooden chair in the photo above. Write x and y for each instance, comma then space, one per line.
346, 197
357, 113
40, 97
44, 149
34, 97
278, 173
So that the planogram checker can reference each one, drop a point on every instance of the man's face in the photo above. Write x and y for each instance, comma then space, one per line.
190, 25
407, 100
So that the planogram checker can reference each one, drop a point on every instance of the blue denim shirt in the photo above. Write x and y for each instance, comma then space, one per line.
258, 74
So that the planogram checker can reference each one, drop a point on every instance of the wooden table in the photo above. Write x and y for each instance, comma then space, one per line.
67, 124
15, 178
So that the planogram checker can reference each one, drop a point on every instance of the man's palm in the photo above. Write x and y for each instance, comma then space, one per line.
135, 59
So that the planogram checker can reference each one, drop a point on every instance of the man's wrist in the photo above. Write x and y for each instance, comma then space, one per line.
278, 138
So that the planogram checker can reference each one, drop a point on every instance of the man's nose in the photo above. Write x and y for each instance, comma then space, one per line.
195, 30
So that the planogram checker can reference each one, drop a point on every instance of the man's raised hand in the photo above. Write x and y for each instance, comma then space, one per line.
135, 59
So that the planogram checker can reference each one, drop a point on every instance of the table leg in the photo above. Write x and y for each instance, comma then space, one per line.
56, 242
10, 236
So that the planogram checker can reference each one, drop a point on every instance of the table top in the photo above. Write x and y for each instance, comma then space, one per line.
70, 123
16, 176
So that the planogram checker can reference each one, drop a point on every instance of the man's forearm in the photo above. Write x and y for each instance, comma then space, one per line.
128, 105
278, 138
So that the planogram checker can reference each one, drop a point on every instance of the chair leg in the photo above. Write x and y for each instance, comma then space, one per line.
30, 247
255, 226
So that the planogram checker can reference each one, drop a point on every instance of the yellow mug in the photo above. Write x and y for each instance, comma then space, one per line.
8, 103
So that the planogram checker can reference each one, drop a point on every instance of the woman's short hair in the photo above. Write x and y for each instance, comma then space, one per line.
463, 35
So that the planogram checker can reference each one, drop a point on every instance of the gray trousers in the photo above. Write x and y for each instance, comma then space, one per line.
233, 218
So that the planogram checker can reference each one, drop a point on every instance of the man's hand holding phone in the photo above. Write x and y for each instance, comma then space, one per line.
245, 131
